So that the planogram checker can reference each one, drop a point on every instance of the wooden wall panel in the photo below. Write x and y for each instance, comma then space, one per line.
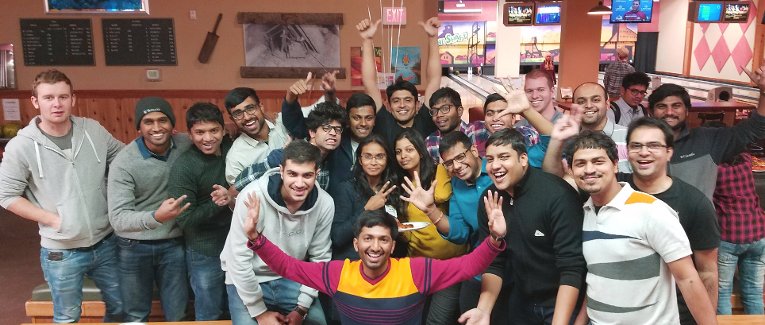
115, 110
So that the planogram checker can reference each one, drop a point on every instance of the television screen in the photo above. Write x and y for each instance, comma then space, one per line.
631, 11
518, 13
709, 12
736, 12
547, 13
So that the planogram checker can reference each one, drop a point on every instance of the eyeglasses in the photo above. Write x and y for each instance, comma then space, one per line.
369, 157
652, 146
249, 109
328, 128
449, 164
443, 109
635, 92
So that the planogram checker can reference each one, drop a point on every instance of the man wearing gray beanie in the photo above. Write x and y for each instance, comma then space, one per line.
143, 217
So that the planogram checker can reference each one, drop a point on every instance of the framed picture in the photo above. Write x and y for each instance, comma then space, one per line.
97, 6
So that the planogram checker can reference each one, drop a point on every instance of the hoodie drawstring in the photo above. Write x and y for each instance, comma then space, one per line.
95, 153
37, 155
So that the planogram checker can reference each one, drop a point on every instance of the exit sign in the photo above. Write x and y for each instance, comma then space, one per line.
394, 16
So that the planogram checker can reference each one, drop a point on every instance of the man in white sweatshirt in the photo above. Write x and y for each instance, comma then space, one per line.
54, 173
297, 216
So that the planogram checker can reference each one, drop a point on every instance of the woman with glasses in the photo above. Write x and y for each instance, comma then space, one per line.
372, 186
416, 167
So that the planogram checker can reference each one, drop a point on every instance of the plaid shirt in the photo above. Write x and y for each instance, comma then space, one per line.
614, 74
741, 217
478, 134
254, 171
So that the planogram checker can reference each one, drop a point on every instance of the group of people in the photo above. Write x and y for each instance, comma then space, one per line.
530, 216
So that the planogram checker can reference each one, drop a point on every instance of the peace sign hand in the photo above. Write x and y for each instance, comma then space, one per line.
493, 204
431, 26
757, 77
170, 209
378, 200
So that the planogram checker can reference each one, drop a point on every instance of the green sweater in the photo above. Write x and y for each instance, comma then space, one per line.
205, 225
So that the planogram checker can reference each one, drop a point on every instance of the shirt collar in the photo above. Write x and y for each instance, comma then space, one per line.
146, 153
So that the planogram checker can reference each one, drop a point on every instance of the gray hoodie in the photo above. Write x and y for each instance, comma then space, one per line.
75, 189
303, 235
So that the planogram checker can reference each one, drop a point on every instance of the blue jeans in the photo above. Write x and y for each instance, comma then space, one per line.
142, 263
750, 259
209, 286
279, 295
64, 270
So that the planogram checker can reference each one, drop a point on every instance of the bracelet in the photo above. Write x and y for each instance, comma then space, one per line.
439, 219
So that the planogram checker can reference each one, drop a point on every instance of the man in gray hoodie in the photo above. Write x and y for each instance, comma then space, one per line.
54, 173
143, 215
297, 216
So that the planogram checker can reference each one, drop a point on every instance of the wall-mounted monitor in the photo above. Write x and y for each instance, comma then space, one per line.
705, 12
631, 11
518, 13
547, 13
736, 12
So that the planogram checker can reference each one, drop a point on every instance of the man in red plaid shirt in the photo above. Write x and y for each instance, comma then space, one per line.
742, 223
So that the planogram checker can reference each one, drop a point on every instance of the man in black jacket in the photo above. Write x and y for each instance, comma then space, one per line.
544, 219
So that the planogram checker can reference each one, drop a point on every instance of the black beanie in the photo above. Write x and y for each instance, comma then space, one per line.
152, 104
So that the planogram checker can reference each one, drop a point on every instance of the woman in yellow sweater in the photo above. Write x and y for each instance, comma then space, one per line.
415, 163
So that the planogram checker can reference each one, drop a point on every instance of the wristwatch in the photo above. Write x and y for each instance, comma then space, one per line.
496, 239
301, 311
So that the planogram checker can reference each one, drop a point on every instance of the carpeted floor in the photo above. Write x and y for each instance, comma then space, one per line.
19, 266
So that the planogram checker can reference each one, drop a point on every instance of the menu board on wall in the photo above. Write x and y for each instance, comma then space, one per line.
139, 41
57, 42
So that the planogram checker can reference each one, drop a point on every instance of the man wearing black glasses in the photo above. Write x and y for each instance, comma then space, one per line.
629, 106
258, 136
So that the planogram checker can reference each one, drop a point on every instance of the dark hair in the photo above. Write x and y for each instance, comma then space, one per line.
369, 219
300, 152
588, 139
323, 113
536, 74
361, 181
666, 90
652, 122
451, 139
358, 100
401, 84
51, 76
605, 93
427, 166
492, 98
237, 95
445, 93
203, 112
636, 78
508, 137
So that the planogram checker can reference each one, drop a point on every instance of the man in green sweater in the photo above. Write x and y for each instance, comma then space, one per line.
199, 174
143, 217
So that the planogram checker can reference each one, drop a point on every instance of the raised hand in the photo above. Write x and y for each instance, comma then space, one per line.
378, 200
250, 225
493, 204
299, 87
431, 26
516, 102
757, 77
220, 195
566, 126
367, 29
421, 198
171, 208
328, 81
475, 316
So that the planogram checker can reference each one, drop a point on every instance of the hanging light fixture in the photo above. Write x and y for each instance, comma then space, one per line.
599, 10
